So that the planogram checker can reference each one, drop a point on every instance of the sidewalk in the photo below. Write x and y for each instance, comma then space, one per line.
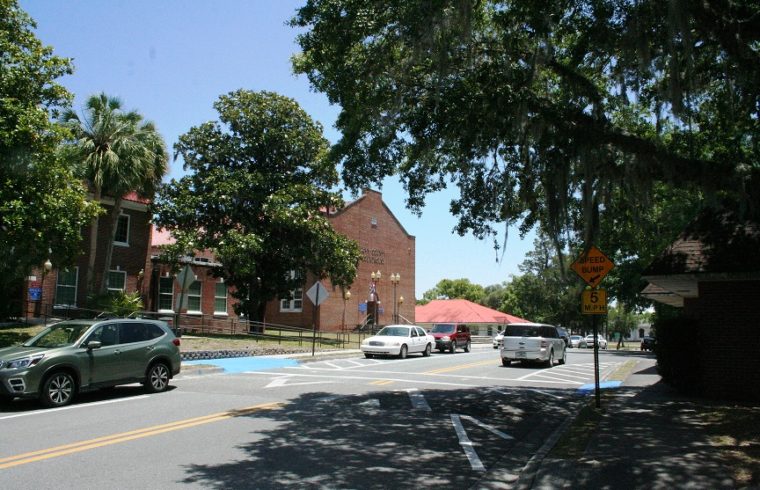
650, 437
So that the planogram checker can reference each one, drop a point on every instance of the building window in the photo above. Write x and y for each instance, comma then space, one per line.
220, 299
117, 280
66, 287
194, 298
166, 294
295, 303
122, 230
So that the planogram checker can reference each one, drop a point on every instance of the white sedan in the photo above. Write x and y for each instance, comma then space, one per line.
398, 340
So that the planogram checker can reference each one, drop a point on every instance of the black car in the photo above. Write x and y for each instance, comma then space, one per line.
648, 343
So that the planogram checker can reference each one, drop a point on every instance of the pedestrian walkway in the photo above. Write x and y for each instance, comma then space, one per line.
650, 437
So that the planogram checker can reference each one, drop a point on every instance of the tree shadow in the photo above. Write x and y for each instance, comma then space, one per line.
378, 440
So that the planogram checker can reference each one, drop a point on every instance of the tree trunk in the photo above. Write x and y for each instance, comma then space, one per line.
115, 212
90, 278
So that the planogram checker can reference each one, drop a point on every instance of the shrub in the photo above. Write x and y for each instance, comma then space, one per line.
118, 303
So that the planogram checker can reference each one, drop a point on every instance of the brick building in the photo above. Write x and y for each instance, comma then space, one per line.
52, 293
386, 248
712, 272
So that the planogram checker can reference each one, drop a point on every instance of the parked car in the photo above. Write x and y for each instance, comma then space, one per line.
577, 341
648, 343
532, 342
590, 341
398, 340
497, 339
74, 356
449, 336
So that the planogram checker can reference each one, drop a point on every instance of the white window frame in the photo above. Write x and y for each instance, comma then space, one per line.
218, 312
129, 222
164, 310
75, 286
199, 296
117, 271
294, 305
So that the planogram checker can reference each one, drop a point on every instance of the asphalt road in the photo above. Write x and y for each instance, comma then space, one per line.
447, 420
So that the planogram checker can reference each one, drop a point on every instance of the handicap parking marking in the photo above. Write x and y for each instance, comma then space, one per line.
233, 365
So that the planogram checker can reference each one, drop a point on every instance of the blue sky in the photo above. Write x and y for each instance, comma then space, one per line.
171, 59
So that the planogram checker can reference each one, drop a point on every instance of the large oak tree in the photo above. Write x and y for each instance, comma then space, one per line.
257, 187
552, 113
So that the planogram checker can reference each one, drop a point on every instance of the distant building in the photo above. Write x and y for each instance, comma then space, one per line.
386, 247
480, 319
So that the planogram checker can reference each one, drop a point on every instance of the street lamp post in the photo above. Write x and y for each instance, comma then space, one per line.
400, 302
395, 278
374, 297
346, 297
46, 267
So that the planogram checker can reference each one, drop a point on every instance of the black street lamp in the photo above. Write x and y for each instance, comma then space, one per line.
395, 278
46, 268
374, 297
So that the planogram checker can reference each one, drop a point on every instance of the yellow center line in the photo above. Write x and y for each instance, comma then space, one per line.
461, 366
76, 447
382, 382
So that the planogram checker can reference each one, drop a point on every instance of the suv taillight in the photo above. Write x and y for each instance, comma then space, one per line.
175, 342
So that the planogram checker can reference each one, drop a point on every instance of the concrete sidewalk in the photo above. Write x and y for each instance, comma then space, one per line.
650, 437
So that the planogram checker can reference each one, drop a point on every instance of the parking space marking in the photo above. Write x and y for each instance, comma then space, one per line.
464, 441
418, 400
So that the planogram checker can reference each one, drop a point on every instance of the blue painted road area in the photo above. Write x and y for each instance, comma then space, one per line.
603, 385
243, 364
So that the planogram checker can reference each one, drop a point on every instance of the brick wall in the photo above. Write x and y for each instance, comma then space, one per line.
132, 258
386, 247
729, 330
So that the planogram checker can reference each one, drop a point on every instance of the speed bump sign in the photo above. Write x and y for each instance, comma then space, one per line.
594, 302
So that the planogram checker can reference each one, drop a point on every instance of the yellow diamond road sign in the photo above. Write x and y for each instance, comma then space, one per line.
592, 266
594, 302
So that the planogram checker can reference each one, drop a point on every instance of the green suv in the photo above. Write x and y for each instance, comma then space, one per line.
83, 355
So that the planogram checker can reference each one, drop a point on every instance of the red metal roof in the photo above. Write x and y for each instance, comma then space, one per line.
461, 311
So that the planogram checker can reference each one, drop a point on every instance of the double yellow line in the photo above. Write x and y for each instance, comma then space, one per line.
76, 447
460, 366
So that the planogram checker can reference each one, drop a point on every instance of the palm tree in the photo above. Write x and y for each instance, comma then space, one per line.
121, 153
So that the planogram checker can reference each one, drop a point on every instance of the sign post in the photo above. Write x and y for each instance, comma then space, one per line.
592, 266
186, 278
317, 294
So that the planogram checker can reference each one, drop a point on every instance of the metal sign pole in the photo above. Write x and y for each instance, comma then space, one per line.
597, 392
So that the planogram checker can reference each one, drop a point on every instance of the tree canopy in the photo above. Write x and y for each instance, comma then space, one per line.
455, 289
43, 204
257, 187
542, 113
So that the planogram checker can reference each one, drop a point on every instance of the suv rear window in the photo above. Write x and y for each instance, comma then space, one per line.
521, 331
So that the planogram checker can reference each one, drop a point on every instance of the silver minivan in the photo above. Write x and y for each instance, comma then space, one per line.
532, 342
